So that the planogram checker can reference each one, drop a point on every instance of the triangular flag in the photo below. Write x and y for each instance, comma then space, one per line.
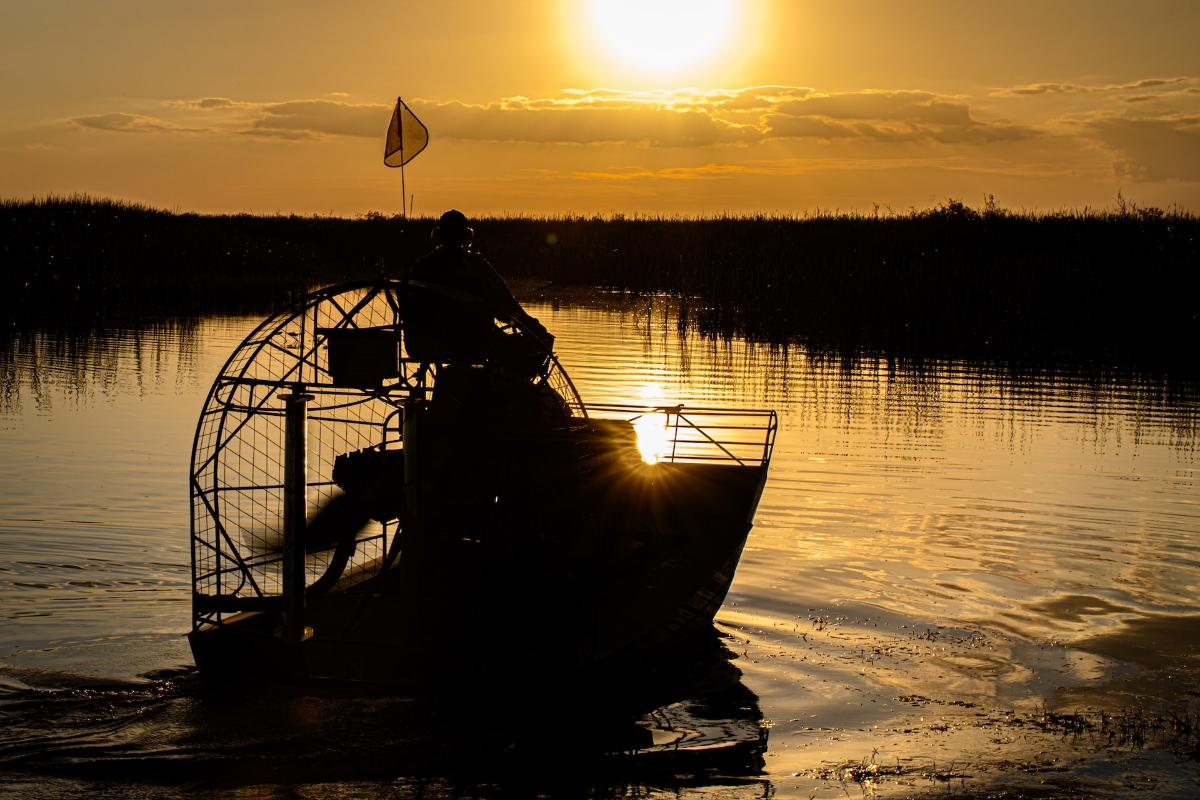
406, 136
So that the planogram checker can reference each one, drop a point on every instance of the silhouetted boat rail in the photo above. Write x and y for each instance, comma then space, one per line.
692, 434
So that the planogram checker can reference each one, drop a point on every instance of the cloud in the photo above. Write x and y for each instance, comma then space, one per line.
133, 123
762, 98
899, 105
328, 117
1166, 148
702, 172
662, 118
294, 119
298, 120
1078, 88
692, 118
775, 168
281, 133
584, 122
803, 127
1151, 82
209, 103
1148, 126
1041, 88
888, 116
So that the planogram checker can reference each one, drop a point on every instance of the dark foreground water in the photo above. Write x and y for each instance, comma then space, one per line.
963, 580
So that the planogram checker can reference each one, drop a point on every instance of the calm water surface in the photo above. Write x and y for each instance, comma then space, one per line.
944, 555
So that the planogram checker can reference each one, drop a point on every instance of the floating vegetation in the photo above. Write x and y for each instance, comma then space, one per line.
869, 773
1128, 729
1082, 735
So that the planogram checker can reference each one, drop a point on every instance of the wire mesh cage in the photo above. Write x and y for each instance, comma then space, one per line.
340, 351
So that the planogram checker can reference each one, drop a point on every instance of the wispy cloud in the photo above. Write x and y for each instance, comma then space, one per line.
293, 120
281, 133
1149, 126
689, 117
134, 123
209, 103
1155, 148
323, 117
1080, 88
586, 120
1141, 123
889, 116
775, 168
701, 172
665, 118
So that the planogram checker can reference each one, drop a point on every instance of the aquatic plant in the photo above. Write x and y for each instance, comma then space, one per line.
1111, 286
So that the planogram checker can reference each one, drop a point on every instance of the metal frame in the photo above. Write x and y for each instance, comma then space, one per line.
702, 434
237, 478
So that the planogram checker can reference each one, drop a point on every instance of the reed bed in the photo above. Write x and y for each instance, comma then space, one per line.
1115, 285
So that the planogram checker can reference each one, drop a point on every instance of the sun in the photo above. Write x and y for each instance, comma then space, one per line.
662, 35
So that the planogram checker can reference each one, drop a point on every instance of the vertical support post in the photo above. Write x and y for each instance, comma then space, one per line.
295, 511
675, 439
416, 462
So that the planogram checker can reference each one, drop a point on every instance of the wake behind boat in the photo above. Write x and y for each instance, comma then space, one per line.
372, 500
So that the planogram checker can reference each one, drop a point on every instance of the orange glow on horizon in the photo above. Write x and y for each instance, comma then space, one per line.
596, 107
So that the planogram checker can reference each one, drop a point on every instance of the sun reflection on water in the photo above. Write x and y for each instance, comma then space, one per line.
653, 436
653, 432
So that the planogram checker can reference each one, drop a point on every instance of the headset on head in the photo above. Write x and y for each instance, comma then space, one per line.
453, 221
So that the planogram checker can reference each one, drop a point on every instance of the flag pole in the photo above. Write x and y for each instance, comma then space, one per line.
403, 188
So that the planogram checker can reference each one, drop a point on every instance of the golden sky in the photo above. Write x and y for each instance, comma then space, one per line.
604, 106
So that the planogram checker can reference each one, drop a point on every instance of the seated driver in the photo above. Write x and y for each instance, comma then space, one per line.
456, 324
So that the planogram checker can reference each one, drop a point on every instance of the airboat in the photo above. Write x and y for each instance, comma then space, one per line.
371, 502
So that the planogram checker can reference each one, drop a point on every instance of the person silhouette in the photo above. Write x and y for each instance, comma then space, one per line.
473, 294
488, 404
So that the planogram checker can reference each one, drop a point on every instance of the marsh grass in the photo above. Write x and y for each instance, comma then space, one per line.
1113, 286
1128, 730
81, 361
870, 773
1177, 729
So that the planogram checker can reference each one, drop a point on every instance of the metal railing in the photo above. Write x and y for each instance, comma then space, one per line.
697, 434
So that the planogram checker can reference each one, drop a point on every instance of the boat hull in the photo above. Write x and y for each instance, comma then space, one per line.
641, 569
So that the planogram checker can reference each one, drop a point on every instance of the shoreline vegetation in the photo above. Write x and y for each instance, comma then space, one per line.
1116, 287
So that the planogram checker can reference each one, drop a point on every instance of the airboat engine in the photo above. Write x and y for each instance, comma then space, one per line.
299, 474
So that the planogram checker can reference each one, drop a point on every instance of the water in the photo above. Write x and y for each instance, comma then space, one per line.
949, 560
